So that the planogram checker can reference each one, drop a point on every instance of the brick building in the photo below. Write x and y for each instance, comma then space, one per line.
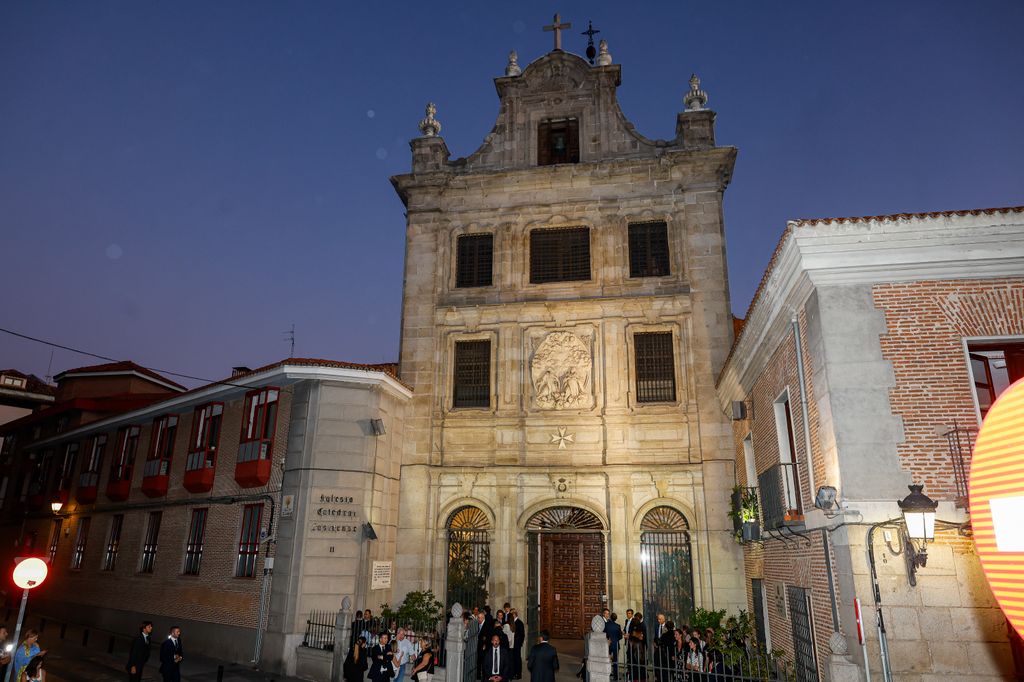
22, 394
174, 501
869, 355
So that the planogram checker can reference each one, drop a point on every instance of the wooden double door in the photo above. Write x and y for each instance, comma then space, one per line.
572, 582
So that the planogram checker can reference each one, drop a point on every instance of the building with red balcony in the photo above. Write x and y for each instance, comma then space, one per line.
200, 491
868, 358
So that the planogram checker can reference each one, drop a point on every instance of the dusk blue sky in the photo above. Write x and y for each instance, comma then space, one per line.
182, 181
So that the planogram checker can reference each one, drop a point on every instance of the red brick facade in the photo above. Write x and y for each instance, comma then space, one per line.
927, 323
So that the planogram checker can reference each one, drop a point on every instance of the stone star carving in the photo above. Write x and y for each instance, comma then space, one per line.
562, 437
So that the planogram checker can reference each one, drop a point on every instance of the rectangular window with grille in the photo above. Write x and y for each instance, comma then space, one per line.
648, 249
558, 141
194, 548
472, 385
81, 537
249, 542
55, 539
559, 255
113, 542
149, 546
655, 367
474, 260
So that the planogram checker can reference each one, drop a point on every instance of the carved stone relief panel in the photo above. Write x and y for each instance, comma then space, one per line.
561, 372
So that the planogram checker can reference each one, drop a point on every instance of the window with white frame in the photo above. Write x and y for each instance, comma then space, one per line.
995, 364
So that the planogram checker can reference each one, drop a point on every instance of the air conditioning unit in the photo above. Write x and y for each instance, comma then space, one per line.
739, 410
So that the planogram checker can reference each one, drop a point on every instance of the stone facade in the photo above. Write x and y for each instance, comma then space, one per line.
885, 309
563, 425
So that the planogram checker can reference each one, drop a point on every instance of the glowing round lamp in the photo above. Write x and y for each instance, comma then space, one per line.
997, 501
919, 514
30, 573
56, 505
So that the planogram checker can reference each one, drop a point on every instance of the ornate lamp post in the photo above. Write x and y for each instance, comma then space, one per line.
28, 573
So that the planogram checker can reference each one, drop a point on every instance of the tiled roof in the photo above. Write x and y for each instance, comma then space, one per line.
33, 384
123, 366
809, 222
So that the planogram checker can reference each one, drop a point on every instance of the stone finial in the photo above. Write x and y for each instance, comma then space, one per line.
513, 64
346, 604
604, 57
838, 644
430, 126
456, 610
695, 99
597, 623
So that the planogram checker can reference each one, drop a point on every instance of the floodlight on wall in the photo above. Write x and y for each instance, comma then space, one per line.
368, 532
825, 498
377, 426
739, 410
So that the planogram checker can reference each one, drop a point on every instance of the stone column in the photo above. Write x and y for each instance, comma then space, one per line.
455, 646
599, 662
342, 636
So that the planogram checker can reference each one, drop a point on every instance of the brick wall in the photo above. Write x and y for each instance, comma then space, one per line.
927, 322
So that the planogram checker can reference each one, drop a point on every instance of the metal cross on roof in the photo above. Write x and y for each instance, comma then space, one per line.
558, 27
590, 33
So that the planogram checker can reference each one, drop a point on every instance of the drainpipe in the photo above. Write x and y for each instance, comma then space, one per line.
803, 403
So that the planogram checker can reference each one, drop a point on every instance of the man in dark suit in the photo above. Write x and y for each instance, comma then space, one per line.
497, 661
613, 632
543, 661
171, 654
483, 638
518, 639
139, 653
664, 647
381, 659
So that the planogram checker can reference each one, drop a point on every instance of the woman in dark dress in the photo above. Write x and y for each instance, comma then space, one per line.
355, 662
638, 649
423, 668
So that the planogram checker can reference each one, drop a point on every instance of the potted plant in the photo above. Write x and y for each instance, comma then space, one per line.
744, 514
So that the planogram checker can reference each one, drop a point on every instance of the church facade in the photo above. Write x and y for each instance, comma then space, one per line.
565, 314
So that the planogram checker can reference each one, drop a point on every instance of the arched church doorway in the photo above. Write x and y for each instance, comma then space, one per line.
469, 557
567, 583
666, 565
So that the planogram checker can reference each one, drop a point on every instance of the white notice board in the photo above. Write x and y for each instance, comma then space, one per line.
380, 576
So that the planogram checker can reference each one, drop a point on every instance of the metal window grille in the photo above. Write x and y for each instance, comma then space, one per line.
475, 260
559, 254
558, 141
149, 547
113, 542
194, 548
249, 542
472, 385
81, 537
666, 565
777, 486
760, 622
55, 539
648, 249
655, 367
469, 557
803, 635
960, 440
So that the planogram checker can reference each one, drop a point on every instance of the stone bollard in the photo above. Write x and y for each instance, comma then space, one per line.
455, 646
342, 639
599, 661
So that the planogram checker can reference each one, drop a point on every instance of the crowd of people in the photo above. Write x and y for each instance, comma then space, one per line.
681, 654
382, 651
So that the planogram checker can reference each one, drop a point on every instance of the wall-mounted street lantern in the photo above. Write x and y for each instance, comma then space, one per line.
919, 517
56, 506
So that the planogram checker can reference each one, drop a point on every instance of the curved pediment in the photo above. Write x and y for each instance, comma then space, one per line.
555, 71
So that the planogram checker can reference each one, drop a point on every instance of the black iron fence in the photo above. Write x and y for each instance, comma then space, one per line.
683, 661
320, 630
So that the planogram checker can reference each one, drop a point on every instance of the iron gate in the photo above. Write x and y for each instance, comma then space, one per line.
469, 558
666, 567
803, 635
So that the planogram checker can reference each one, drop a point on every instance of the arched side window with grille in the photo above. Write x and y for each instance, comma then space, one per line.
666, 565
469, 557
